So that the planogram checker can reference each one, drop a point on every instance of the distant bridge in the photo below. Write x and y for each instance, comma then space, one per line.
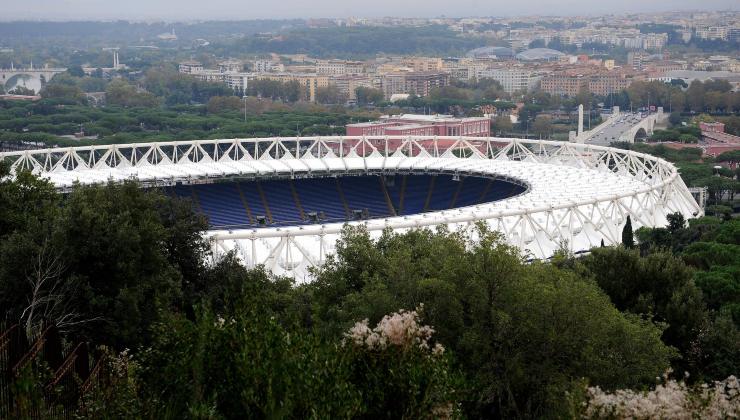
622, 127
645, 128
44, 75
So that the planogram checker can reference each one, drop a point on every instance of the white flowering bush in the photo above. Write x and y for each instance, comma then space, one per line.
401, 373
670, 399
401, 329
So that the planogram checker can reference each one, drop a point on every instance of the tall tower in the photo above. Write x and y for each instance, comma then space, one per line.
115, 60
580, 120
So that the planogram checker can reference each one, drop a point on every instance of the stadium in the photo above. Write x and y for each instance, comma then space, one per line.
283, 202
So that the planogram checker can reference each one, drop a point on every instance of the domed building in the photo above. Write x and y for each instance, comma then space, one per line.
491, 52
539, 54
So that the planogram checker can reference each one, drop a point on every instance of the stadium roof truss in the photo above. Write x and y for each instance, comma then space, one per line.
577, 194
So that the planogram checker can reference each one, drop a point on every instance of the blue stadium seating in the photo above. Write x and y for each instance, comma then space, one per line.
224, 206
320, 195
415, 195
471, 191
365, 193
280, 200
254, 201
444, 189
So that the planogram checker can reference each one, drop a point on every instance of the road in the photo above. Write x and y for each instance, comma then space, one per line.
611, 133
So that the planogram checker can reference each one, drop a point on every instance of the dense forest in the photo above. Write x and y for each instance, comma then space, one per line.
359, 42
98, 32
429, 323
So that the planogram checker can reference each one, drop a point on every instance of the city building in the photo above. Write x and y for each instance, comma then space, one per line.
423, 64
607, 83
190, 67
347, 83
713, 32
512, 79
422, 125
339, 67
418, 83
309, 82
463, 68
268, 66
564, 84
599, 83
230, 66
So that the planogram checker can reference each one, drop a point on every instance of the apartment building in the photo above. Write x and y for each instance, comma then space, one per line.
418, 83
347, 83
190, 67
339, 67
463, 69
713, 32
230, 66
423, 64
605, 84
268, 66
309, 82
512, 79
565, 84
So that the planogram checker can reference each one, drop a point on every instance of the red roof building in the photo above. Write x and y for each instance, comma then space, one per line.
422, 125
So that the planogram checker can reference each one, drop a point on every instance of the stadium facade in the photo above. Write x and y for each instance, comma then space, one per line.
282, 202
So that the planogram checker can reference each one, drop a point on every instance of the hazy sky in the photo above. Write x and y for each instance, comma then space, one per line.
171, 10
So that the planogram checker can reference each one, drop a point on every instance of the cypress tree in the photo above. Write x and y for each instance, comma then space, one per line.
628, 239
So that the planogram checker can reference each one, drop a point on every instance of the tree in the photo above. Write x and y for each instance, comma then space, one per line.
330, 95
675, 118
501, 124
695, 96
102, 263
659, 285
450, 92
22, 90
501, 318
76, 71
676, 221
627, 236
219, 104
121, 93
584, 98
243, 362
366, 95
542, 125
62, 91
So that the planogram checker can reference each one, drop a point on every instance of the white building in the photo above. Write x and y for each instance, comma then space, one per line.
713, 32
512, 79
268, 66
190, 67
230, 66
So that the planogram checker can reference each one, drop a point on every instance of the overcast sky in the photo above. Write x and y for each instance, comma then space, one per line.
174, 10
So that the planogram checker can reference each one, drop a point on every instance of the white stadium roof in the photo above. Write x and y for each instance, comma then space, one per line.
576, 194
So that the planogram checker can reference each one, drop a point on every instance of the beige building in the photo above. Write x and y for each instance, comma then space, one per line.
347, 84
463, 69
423, 64
339, 67
597, 83
418, 83
309, 82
